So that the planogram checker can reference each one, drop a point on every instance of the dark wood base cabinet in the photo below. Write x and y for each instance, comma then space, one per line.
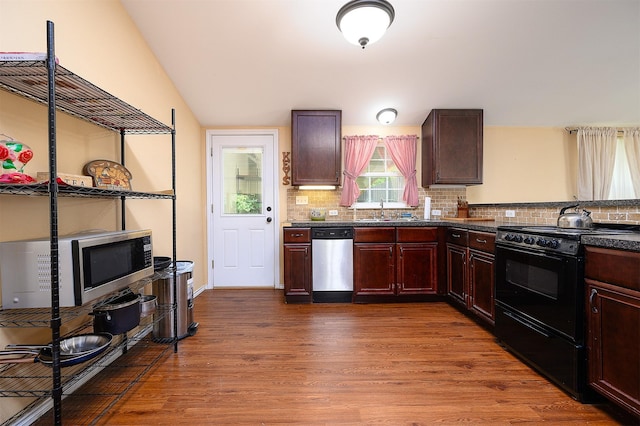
394, 263
471, 272
613, 314
297, 265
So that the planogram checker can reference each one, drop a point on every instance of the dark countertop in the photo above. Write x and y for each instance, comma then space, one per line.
485, 225
622, 242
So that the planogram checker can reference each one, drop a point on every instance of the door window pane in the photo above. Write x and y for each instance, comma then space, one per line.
242, 180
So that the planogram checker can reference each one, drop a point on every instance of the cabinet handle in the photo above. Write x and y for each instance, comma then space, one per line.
455, 235
592, 296
390, 251
401, 251
481, 241
296, 235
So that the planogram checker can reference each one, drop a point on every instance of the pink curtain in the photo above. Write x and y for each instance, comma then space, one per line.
358, 152
403, 151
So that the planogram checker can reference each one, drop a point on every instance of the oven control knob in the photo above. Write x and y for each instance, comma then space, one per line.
529, 240
517, 238
508, 237
553, 244
541, 242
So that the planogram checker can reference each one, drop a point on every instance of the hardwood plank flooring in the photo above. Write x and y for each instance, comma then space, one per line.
258, 361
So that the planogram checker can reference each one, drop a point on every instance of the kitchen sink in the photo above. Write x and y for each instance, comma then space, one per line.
389, 220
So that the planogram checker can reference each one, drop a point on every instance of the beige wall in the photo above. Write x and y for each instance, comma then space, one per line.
97, 40
526, 164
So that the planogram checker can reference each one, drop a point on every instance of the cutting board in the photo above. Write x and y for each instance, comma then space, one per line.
469, 219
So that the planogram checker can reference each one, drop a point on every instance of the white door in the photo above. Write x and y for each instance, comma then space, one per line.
243, 233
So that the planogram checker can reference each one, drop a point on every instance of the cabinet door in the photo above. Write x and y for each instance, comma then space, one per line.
373, 269
297, 273
417, 268
316, 147
457, 273
613, 343
481, 282
452, 147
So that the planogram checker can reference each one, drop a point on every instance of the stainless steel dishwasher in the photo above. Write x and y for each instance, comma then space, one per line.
332, 264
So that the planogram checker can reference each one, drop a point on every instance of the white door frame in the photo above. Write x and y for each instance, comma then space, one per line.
211, 198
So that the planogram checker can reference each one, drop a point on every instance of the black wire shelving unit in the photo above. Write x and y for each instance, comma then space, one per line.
48, 83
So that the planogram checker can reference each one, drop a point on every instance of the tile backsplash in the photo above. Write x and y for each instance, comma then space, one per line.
445, 199
627, 214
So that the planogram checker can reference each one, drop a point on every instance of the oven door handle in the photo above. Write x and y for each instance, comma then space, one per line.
528, 324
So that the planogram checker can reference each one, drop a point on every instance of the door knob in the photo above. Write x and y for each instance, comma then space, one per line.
269, 220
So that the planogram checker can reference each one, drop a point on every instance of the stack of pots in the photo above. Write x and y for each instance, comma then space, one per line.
118, 315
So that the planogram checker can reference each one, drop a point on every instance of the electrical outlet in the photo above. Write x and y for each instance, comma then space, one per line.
333, 212
510, 213
302, 199
436, 213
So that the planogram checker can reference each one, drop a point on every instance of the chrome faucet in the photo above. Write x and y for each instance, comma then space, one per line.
381, 209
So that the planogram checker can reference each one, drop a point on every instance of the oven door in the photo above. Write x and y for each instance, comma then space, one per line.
544, 288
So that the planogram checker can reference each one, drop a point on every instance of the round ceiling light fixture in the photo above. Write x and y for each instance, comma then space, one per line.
363, 22
387, 116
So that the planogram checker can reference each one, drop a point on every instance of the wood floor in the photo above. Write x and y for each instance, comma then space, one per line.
258, 361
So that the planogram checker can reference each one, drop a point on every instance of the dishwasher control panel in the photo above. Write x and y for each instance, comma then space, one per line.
332, 233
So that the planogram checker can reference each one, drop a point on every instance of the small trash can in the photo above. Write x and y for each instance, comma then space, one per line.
162, 288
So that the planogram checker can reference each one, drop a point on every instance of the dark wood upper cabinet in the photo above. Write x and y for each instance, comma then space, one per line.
316, 147
452, 147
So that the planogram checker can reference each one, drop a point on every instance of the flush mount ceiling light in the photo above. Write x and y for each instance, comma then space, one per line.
387, 116
363, 22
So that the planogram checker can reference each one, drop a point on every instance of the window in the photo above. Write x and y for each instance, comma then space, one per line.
381, 180
621, 183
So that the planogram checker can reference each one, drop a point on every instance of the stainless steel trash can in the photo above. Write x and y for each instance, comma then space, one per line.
162, 287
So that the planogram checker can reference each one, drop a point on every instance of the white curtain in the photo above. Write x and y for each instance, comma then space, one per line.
596, 159
631, 138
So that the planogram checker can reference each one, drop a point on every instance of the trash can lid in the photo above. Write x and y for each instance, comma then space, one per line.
184, 266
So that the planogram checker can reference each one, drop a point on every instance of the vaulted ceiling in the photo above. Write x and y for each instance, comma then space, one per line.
525, 62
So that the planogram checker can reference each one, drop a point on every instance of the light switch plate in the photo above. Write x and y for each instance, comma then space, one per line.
510, 213
333, 212
302, 199
436, 213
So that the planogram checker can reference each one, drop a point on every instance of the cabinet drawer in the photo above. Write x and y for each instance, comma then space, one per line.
297, 235
374, 235
416, 235
458, 236
484, 241
613, 266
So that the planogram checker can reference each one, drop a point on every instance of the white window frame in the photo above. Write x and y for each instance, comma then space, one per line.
387, 205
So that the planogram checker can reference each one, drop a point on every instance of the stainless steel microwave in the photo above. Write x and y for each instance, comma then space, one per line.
90, 266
